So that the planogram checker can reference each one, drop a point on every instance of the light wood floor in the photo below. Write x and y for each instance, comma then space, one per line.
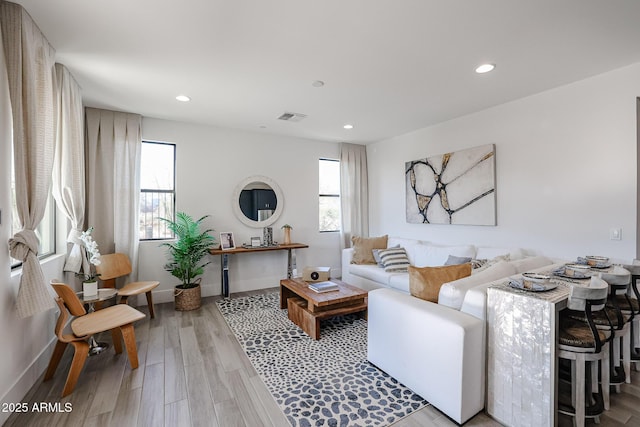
194, 373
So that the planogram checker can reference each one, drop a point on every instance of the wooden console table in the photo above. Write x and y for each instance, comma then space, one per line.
224, 260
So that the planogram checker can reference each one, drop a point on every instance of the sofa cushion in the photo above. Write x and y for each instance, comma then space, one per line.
400, 282
486, 252
363, 248
452, 294
411, 246
371, 272
425, 282
433, 256
530, 263
394, 260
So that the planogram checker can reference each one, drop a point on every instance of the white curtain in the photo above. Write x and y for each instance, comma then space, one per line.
31, 76
354, 192
68, 168
112, 148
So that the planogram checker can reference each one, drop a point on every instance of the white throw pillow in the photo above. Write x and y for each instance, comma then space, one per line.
485, 252
434, 256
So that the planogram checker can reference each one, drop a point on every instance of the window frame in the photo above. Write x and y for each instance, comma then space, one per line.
173, 192
327, 195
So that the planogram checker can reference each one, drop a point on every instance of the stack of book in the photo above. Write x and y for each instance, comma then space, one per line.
323, 287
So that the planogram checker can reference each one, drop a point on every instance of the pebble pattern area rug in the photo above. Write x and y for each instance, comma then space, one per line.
317, 383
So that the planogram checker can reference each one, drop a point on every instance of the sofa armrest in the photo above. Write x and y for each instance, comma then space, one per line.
347, 254
434, 350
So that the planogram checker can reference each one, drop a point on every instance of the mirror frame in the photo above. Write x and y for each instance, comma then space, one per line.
235, 202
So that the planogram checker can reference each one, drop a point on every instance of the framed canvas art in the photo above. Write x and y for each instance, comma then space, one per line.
452, 188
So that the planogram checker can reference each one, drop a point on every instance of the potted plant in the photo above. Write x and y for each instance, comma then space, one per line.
287, 234
186, 255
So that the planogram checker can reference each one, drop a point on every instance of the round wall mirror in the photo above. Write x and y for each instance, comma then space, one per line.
258, 201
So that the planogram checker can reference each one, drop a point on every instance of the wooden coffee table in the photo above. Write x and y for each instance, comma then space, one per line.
307, 308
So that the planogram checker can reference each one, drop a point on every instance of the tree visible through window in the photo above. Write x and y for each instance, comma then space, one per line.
329, 191
157, 189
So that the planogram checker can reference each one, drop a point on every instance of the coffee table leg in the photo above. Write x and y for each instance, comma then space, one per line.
285, 294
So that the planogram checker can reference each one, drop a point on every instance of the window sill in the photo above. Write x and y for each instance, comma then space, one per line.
43, 262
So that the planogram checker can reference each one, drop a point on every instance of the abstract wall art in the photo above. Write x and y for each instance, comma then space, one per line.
453, 188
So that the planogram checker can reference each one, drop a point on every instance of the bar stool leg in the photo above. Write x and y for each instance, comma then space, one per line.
579, 393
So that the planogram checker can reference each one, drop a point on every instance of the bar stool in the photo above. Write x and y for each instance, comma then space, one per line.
633, 309
619, 280
581, 343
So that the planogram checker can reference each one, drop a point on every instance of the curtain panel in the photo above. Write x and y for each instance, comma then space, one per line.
354, 192
68, 169
31, 76
113, 143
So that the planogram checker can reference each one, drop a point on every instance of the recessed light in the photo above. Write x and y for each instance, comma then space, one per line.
317, 83
183, 98
348, 126
485, 68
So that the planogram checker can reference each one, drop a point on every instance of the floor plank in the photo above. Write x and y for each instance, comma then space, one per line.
193, 372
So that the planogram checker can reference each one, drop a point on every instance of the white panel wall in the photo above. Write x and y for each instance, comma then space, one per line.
210, 162
566, 170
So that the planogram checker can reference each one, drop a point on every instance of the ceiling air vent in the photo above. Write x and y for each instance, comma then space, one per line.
292, 117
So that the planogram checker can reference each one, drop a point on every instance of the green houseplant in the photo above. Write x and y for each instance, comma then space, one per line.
186, 257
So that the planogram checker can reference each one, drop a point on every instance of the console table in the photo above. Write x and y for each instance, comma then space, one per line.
224, 260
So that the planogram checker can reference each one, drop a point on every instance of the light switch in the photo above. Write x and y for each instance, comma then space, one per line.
615, 234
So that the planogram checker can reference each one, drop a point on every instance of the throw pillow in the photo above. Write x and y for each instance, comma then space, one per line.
394, 260
457, 260
425, 282
376, 255
363, 248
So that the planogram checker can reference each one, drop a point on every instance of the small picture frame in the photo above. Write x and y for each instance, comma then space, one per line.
227, 241
255, 242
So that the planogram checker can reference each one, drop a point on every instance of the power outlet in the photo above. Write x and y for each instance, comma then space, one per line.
615, 234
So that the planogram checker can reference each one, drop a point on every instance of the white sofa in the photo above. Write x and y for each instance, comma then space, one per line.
437, 350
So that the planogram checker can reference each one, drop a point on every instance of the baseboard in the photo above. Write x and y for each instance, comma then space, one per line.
28, 379
166, 295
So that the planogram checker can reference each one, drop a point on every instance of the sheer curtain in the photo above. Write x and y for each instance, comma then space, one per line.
30, 71
68, 168
354, 192
112, 156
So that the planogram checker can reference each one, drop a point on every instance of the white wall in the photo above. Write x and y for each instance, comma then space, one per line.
210, 162
566, 170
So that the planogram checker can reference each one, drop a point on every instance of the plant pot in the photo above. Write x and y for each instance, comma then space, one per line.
187, 298
287, 236
90, 288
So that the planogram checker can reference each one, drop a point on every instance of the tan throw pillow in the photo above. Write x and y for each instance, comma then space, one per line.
425, 282
363, 248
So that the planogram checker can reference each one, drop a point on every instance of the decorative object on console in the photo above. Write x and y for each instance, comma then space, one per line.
316, 274
452, 188
267, 236
255, 242
227, 241
287, 234
425, 282
363, 248
186, 255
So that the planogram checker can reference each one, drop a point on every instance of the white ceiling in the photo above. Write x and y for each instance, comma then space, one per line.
390, 66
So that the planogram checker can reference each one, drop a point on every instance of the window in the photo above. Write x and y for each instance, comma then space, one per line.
329, 190
46, 230
157, 189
